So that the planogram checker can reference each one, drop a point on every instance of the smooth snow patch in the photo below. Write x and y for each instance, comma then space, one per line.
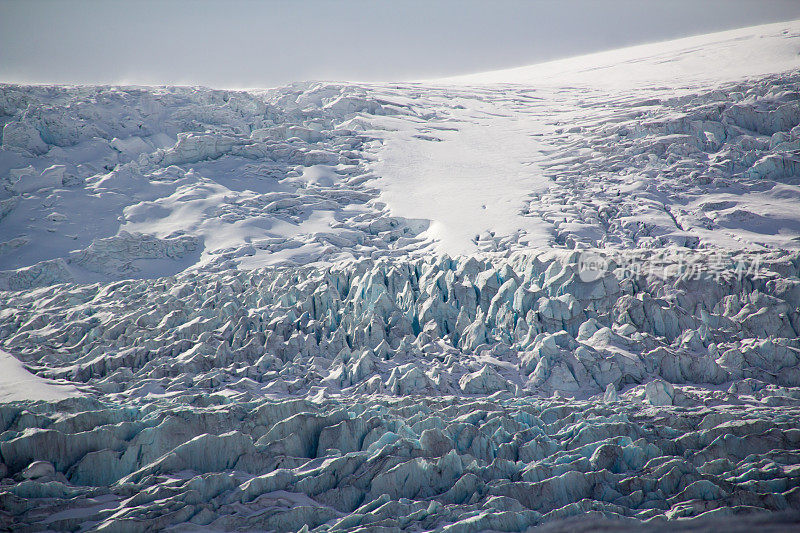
17, 384
471, 182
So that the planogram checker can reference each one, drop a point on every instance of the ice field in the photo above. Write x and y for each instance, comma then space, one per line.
563, 296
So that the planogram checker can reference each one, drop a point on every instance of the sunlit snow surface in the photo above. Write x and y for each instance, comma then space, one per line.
366, 306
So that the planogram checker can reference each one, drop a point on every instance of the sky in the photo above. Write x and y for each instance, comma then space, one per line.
247, 44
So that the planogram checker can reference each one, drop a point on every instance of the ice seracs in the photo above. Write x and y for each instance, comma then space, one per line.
190, 360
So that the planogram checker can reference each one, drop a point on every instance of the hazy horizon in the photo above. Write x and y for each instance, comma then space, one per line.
263, 44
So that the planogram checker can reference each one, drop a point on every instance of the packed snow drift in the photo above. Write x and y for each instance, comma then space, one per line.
562, 296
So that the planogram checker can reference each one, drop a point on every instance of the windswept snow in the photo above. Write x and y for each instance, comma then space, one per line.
563, 296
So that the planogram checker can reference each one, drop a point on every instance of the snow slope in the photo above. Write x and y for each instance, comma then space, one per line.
565, 296
17, 384
688, 62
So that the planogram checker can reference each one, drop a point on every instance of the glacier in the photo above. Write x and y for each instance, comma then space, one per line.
564, 297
